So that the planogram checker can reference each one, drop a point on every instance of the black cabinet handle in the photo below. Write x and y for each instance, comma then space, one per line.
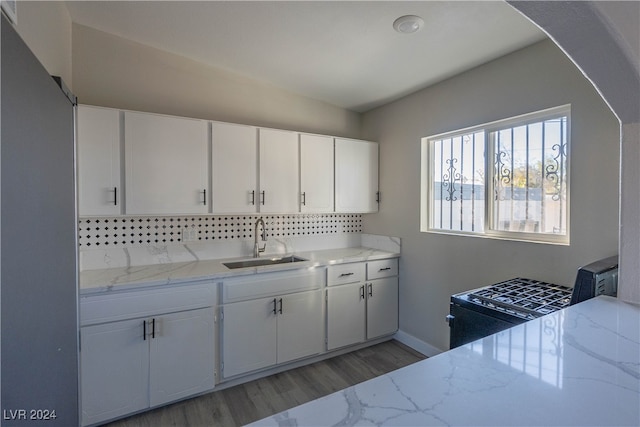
304, 198
153, 328
346, 274
253, 197
385, 269
280, 306
204, 196
262, 197
370, 290
115, 196
275, 311
144, 330
362, 296
377, 197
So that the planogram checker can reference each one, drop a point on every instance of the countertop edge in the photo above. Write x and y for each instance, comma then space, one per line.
112, 280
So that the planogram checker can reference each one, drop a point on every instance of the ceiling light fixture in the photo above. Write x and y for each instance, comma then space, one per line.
408, 24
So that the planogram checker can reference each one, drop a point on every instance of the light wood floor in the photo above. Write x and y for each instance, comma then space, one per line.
257, 399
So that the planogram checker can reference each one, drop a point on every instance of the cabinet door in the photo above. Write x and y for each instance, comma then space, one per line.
345, 315
278, 171
166, 164
356, 168
99, 189
382, 307
316, 173
182, 359
234, 168
300, 325
248, 336
114, 364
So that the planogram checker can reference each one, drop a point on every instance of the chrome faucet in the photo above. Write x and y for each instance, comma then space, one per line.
256, 248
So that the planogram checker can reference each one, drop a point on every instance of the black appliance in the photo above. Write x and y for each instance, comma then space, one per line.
484, 311
597, 278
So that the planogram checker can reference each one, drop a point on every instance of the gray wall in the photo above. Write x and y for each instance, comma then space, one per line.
114, 72
38, 279
603, 39
45, 26
435, 266
421, 114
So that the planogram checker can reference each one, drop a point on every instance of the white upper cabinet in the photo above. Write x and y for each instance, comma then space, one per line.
234, 168
149, 164
166, 161
99, 191
278, 171
316, 173
356, 174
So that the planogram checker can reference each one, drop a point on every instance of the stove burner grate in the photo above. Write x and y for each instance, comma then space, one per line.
525, 298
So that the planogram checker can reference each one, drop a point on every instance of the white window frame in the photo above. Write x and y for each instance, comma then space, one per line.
427, 179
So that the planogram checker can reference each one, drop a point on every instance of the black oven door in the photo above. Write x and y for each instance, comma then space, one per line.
469, 325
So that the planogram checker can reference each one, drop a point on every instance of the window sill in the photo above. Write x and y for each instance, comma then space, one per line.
500, 237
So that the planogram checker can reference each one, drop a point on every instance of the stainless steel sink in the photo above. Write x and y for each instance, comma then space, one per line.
257, 262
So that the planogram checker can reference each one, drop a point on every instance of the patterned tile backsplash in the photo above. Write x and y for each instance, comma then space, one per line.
126, 231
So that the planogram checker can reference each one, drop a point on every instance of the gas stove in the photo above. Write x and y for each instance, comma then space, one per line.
480, 312
525, 298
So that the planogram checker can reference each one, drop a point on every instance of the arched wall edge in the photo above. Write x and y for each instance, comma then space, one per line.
596, 45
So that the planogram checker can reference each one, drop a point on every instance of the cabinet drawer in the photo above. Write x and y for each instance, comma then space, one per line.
345, 273
96, 309
270, 284
382, 268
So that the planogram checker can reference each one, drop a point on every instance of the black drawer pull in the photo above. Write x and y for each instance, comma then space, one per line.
144, 330
153, 328
385, 269
346, 274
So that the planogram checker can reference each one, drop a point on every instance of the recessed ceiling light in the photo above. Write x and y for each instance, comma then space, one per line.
408, 24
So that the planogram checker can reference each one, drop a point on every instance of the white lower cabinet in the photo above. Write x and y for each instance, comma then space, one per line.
382, 307
248, 336
300, 325
182, 359
363, 309
131, 365
114, 370
346, 307
145, 348
264, 332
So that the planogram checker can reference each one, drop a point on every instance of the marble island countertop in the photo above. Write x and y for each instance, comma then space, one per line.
576, 367
122, 278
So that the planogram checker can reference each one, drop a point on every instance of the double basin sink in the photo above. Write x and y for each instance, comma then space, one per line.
258, 262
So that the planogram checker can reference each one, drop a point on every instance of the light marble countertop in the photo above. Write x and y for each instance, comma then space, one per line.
136, 277
576, 367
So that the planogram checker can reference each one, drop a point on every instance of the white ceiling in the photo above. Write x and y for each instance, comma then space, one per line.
345, 53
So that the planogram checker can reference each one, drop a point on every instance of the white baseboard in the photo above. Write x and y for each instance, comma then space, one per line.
417, 344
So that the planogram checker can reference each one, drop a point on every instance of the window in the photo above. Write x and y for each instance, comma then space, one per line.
507, 179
